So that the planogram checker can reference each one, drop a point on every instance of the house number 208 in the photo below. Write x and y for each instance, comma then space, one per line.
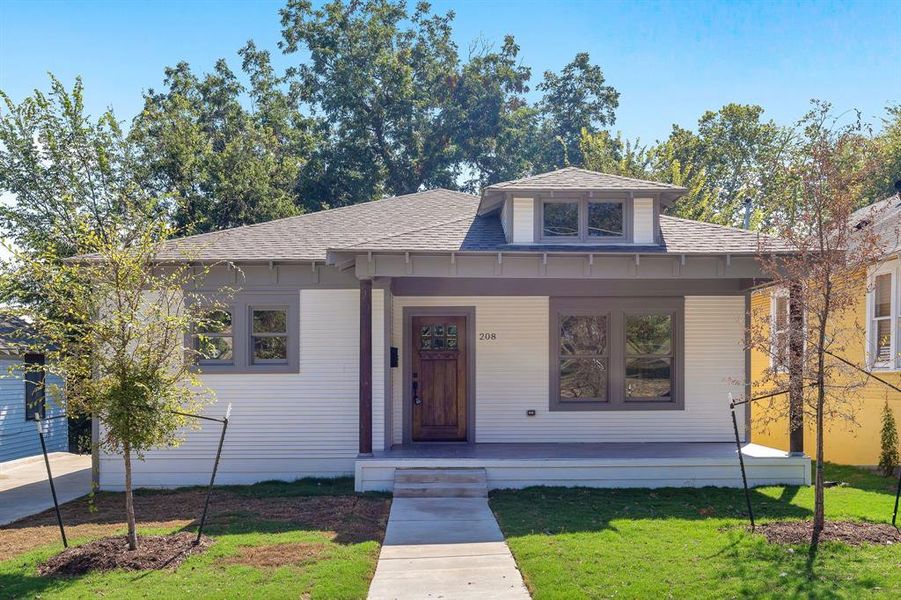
485, 335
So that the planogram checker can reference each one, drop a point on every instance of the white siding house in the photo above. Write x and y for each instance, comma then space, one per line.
559, 329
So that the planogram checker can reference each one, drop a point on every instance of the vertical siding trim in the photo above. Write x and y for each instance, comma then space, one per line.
643, 220
523, 220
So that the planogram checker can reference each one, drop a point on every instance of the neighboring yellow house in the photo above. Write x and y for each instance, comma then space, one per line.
879, 348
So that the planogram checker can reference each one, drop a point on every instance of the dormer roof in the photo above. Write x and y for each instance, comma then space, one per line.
574, 179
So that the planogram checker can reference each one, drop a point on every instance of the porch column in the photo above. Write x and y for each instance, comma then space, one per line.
795, 371
365, 366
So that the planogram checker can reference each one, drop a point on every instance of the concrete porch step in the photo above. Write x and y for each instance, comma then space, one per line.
440, 483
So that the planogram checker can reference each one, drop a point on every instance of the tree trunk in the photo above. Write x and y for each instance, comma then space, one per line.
129, 500
819, 515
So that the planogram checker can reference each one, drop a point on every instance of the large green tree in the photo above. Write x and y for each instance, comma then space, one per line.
225, 152
401, 109
64, 172
575, 100
888, 148
735, 151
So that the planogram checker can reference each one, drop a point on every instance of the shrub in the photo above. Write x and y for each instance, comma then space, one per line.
888, 457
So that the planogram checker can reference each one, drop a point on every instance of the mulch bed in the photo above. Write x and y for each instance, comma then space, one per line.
106, 554
849, 532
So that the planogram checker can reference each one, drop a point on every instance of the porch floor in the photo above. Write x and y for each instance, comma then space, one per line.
648, 464
551, 451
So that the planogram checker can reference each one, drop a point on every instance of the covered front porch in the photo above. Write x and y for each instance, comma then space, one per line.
613, 464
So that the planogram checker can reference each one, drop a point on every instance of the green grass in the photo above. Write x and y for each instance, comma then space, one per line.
343, 570
687, 543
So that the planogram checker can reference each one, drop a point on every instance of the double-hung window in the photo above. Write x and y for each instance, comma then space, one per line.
616, 353
254, 332
269, 335
583, 220
214, 341
884, 316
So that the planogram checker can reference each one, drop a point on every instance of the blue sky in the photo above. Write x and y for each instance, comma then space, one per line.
670, 60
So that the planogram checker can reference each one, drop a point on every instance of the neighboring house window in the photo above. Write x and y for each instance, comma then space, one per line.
606, 354
583, 220
214, 340
259, 332
884, 310
779, 330
269, 335
35, 397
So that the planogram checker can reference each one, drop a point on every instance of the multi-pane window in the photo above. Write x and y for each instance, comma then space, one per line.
649, 356
583, 357
884, 330
269, 335
583, 220
606, 354
441, 337
255, 332
214, 339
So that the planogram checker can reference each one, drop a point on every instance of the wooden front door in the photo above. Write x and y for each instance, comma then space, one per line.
438, 378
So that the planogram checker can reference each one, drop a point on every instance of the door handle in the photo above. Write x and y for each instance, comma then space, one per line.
416, 399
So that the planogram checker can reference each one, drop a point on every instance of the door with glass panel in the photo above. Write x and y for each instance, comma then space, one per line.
438, 378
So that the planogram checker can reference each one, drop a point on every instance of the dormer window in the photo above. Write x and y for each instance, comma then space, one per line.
582, 220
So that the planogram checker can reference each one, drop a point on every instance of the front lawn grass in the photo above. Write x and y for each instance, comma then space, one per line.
306, 539
693, 543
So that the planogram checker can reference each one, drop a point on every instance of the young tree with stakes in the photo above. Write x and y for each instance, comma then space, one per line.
829, 168
112, 323
121, 339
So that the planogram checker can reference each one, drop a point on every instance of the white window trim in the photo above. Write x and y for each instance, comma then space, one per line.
251, 359
892, 268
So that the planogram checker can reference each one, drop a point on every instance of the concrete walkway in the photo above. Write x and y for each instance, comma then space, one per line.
24, 489
445, 548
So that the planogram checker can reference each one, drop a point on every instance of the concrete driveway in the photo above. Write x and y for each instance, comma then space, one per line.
24, 489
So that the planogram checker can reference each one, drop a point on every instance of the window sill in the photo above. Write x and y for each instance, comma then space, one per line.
629, 405
246, 370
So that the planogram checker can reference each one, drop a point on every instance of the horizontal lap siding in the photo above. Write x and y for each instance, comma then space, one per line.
512, 376
283, 426
18, 437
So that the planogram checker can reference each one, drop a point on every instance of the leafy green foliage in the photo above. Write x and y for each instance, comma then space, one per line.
217, 163
65, 174
401, 110
888, 445
732, 154
888, 148
575, 100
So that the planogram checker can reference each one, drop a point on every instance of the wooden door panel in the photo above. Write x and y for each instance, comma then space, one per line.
439, 378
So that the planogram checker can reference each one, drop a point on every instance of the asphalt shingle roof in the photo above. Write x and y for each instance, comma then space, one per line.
680, 236
441, 221
306, 237
573, 178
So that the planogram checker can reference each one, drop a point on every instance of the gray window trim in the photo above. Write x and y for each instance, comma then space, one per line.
583, 238
617, 309
240, 306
